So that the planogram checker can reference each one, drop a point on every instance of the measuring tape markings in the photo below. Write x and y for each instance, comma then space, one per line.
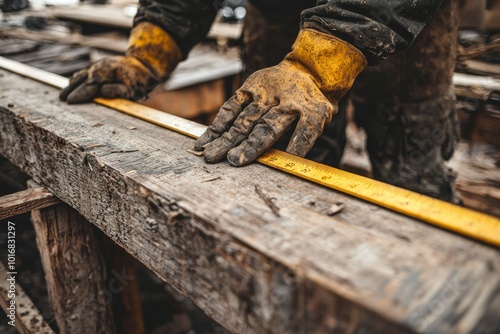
459, 219
465, 221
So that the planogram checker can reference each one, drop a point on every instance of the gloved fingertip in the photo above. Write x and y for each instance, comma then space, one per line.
66, 92
298, 151
75, 82
304, 137
213, 154
238, 158
211, 159
112, 91
63, 95
82, 94
206, 138
199, 147
74, 99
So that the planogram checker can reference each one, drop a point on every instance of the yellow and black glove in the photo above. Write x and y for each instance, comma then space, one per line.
151, 56
306, 85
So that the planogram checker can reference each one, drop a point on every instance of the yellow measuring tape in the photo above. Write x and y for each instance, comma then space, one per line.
461, 220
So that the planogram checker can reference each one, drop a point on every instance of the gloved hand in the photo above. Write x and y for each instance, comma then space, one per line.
306, 85
151, 56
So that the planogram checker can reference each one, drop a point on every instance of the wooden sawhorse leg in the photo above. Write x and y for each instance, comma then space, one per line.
74, 270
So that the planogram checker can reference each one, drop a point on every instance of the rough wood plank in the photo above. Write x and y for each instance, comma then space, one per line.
25, 201
364, 270
74, 271
28, 319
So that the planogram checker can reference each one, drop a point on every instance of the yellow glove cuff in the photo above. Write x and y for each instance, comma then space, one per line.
332, 62
155, 48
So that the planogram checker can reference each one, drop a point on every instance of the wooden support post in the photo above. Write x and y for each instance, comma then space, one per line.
74, 271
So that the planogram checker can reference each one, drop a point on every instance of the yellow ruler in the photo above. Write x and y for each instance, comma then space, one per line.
461, 220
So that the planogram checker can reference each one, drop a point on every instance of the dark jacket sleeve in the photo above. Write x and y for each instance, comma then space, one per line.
186, 21
376, 27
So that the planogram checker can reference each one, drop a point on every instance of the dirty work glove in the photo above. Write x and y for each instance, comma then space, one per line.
151, 56
306, 86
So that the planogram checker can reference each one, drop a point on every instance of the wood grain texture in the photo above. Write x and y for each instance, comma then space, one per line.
205, 230
25, 201
29, 320
74, 271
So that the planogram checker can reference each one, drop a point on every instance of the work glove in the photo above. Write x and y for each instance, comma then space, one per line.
151, 56
305, 87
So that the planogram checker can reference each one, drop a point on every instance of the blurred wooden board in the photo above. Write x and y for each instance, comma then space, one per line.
114, 16
100, 15
204, 62
109, 41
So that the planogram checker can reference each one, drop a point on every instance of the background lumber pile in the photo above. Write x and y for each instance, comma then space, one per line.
56, 58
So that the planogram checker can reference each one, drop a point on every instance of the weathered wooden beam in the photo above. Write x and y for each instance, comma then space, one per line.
205, 230
22, 313
25, 201
74, 271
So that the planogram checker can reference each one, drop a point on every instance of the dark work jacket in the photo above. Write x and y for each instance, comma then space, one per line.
376, 27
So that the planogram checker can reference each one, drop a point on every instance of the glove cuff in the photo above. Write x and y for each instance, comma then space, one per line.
154, 48
332, 62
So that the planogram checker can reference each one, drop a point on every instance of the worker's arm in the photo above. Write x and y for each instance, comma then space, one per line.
337, 40
186, 21
376, 27
163, 34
